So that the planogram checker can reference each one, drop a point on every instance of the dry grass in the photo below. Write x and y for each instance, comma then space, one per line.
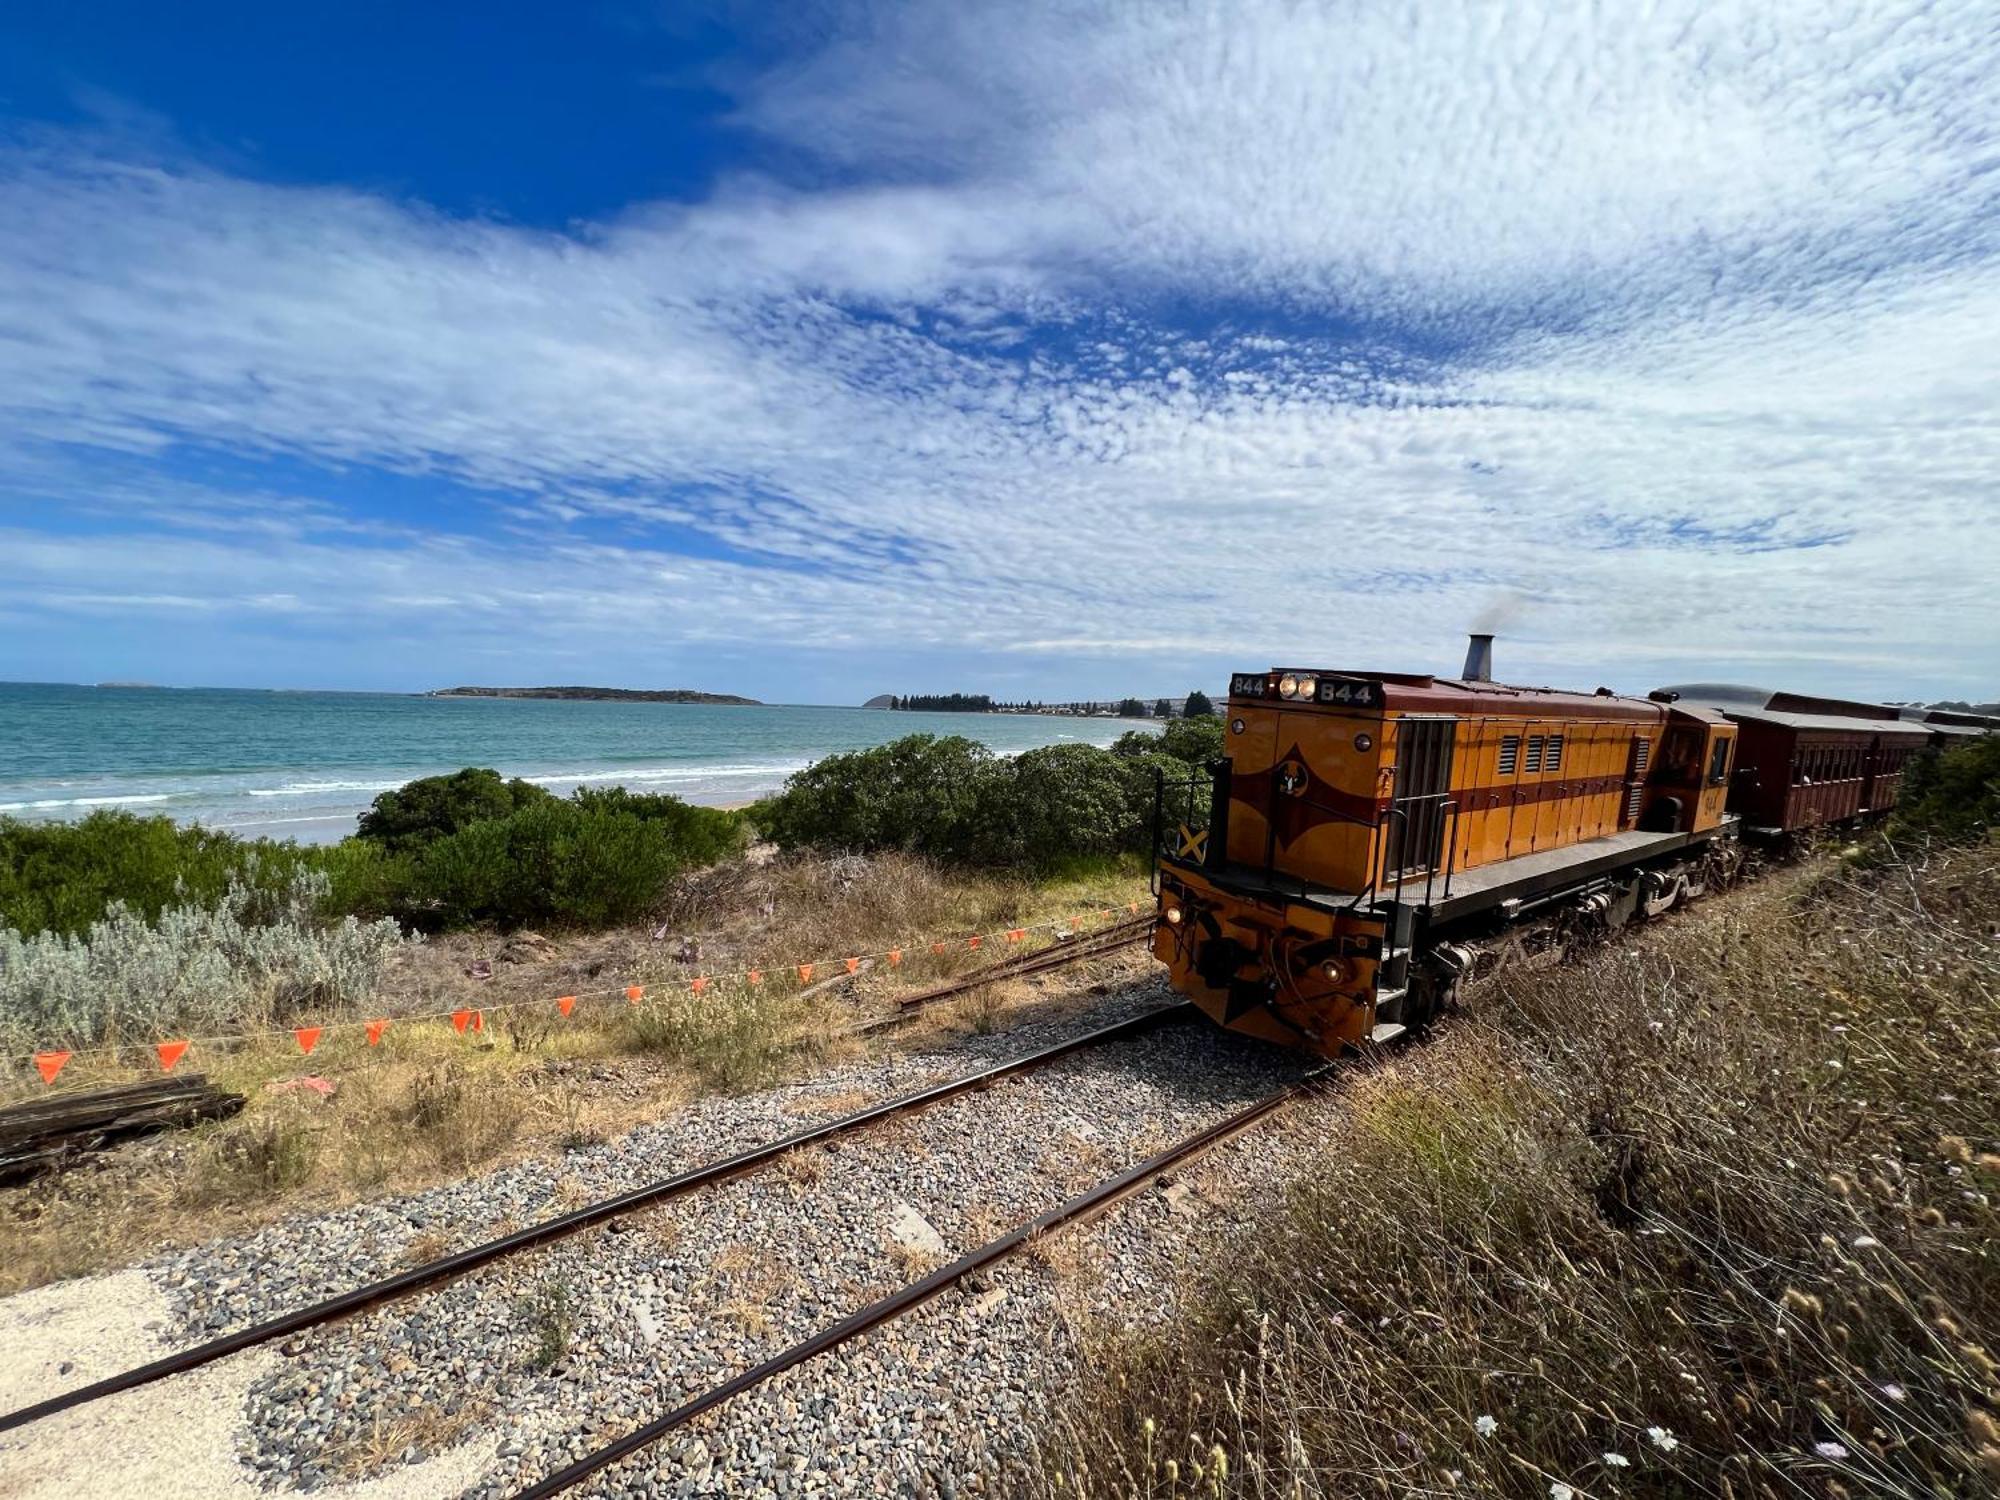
1711, 1214
428, 1104
430, 1429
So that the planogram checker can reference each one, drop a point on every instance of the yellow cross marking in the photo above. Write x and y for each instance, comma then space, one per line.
1193, 843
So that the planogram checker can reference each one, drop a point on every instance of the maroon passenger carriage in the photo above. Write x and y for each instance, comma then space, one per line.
1802, 762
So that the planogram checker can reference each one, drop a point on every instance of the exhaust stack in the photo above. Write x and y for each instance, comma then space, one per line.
1478, 659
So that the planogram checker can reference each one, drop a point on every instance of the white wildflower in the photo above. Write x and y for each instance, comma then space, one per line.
1656, 1027
1894, 1391
1830, 1450
1486, 1426
1561, 1491
1865, 1242
1835, 1064
1617, 1461
1663, 1439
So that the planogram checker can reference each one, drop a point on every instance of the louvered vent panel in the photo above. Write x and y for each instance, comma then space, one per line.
1510, 754
1553, 759
1534, 753
1642, 754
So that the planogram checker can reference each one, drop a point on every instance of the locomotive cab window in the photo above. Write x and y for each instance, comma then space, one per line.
1718, 763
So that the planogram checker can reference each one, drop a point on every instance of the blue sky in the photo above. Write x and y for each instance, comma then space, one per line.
1045, 350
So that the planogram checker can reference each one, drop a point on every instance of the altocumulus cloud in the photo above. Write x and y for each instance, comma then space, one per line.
1148, 334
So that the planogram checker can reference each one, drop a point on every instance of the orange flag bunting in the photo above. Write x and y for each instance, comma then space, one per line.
170, 1053
460, 1019
1015, 934
699, 985
565, 1003
1132, 907
756, 976
308, 1038
1106, 912
479, 1020
48, 1064
634, 992
937, 947
895, 955
805, 973
375, 1030
973, 942
853, 964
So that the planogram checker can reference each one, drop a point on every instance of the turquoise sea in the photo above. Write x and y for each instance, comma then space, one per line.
303, 765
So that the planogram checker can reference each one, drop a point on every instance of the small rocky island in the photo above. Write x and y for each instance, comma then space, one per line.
614, 695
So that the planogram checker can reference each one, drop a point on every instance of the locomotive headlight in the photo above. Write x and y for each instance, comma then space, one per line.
1336, 970
1288, 686
1308, 686
1174, 915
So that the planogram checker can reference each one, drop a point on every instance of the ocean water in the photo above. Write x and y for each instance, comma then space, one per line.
304, 765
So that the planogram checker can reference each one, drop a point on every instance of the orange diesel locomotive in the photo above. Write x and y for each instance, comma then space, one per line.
1371, 838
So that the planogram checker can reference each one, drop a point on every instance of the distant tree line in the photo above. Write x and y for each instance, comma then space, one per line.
945, 703
1197, 704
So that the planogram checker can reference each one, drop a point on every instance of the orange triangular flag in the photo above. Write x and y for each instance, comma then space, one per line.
633, 992
699, 985
974, 942
1015, 934
375, 1030
48, 1064
937, 947
805, 973
565, 1003
308, 1038
479, 1020
170, 1053
460, 1019
1132, 907
853, 964
895, 955
756, 976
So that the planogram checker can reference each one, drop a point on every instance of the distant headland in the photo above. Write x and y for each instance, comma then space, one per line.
615, 695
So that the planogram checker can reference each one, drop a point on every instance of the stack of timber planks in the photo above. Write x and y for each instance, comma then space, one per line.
44, 1135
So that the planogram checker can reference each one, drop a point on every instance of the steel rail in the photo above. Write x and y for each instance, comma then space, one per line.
451, 1267
1097, 945
1108, 941
918, 1292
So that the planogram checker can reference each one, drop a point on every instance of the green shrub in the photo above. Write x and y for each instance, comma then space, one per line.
1196, 741
420, 812
597, 860
954, 801
703, 835
62, 877
1954, 796
922, 793
1054, 803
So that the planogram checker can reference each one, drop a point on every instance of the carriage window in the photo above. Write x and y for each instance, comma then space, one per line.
1510, 754
1553, 761
1534, 754
1718, 764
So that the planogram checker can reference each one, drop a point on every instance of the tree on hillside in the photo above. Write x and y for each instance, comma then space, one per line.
1163, 709
1197, 705
1131, 708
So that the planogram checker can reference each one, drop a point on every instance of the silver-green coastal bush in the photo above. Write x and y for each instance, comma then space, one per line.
254, 959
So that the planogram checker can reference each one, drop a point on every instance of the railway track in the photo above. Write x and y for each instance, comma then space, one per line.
917, 1293
1112, 939
451, 1267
